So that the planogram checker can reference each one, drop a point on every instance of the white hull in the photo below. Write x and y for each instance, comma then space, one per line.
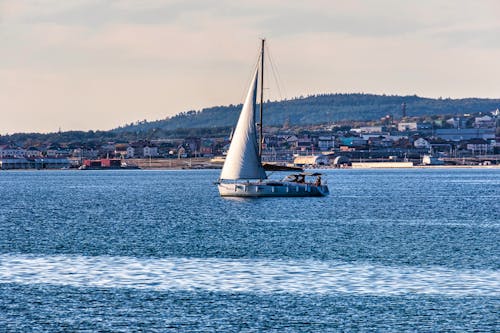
271, 189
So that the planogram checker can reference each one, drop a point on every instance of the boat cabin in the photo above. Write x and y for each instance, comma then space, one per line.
304, 178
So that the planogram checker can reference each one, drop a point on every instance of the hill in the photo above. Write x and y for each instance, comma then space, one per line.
217, 121
318, 109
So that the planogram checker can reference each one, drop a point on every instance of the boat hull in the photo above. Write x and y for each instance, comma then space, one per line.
276, 189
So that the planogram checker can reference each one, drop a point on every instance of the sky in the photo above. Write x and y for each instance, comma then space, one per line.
100, 64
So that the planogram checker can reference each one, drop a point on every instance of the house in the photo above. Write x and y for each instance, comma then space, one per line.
150, 151
291, 141
33, 152
304, 143
130, 152
421, 143
85, 153
484, 122
139, 150
326, 142
181, 152
56, 151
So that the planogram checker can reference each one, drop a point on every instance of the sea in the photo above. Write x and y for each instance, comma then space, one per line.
406, 250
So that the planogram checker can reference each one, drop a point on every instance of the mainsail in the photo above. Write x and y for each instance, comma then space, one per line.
243, 160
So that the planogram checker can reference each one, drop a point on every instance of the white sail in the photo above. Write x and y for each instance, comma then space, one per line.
243, 160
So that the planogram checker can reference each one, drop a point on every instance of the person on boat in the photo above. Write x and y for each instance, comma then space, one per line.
318, 181
301, 179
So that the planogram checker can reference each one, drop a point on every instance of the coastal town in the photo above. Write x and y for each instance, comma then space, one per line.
469, 139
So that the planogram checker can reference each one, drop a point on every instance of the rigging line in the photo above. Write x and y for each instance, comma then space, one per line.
254, 68
276, 75
277, 78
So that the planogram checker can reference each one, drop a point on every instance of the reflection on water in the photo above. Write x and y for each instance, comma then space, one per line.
252, 275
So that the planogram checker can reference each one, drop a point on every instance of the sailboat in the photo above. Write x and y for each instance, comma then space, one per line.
243, 174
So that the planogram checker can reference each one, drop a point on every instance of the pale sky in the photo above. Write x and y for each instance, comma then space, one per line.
99, 64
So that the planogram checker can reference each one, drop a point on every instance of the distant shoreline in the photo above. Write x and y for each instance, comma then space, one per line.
428, 167
185, 166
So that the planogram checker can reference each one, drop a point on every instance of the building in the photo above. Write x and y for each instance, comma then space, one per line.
403, 127
304, 143
354, 142
457, 122
206, 148
150, 151
414, 126
421, 143
15, 163
460, 134
326, 142
478, 146
379, 142
368, 129
121, 150
130, 152
37, 163
51, 163
140, 149
311, 160
484, 122
192, 145
33, 152
12, 152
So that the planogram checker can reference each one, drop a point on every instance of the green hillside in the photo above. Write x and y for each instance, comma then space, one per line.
218, 120
318, 109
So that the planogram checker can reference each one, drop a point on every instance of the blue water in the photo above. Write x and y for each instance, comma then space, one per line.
388, 250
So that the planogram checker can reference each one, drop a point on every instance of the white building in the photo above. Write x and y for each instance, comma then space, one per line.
130, 152
311, 160
32, 152
478, 146
150, 151
484, 122
421, 143
8, 151
57, 152
402, 127
368, 129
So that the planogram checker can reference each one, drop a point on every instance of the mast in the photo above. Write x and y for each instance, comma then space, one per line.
261, 126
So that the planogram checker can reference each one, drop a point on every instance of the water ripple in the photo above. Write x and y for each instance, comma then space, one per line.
246, 275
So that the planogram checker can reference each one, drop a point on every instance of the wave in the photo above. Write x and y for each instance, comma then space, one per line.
246, 275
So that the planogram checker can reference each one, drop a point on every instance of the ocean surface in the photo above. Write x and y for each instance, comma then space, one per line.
154, 251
